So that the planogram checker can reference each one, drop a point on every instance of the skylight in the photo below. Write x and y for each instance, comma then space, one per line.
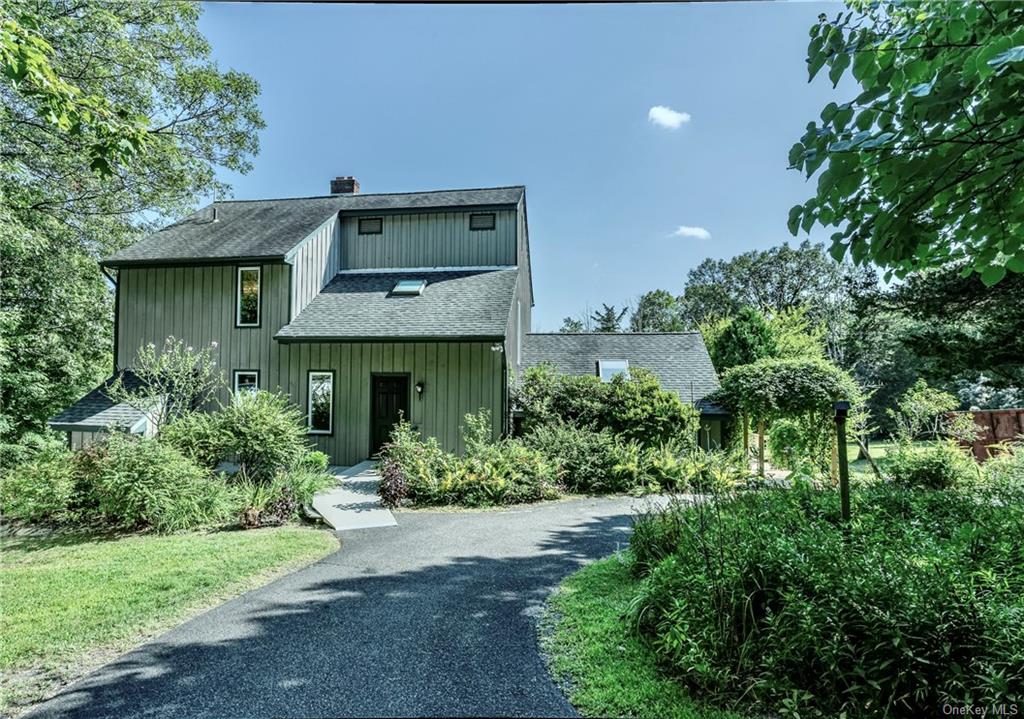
409, 287
606, 369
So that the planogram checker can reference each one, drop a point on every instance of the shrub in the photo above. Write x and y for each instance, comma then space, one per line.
203, 437
502, 472
763, 597
786, 444
279, 500
634, 407
143, 482
585, 458
267, 433
938, 465
315, 461
40, 489
1003, 474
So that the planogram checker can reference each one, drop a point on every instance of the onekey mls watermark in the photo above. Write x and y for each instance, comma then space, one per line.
981, 710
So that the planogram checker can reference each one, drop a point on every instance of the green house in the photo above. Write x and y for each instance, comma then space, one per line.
361, 307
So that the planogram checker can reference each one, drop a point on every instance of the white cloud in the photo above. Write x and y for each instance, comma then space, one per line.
696, 232
667, 117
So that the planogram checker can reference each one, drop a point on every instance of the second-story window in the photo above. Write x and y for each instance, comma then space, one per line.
248, 301
371, 225
481, 221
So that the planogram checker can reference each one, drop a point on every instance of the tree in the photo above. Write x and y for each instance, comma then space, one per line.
571, 325
80, 182
772, 280
924, 167
608, 318
796, 335
745, 338
656, 311
172, 382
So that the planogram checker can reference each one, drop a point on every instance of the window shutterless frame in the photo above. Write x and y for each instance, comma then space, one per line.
238, 295
371, 225
481, 221
612, 368
240, 375
314, 376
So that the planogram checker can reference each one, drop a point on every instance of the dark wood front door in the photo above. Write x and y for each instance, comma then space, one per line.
389, 402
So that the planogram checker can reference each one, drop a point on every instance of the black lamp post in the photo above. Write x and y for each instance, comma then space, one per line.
842, 408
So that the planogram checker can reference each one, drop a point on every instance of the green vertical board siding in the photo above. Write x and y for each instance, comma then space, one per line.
316, 262
197, 305
438, 239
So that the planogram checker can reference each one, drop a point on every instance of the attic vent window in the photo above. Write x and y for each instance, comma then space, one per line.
409, 287
371, 225
481, 221
607, 369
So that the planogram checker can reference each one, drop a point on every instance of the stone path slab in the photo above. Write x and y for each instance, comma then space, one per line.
354, 503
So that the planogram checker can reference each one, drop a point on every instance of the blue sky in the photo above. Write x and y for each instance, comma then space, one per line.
554, 97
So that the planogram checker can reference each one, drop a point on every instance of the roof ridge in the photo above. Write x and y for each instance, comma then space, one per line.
615, 334
374, 194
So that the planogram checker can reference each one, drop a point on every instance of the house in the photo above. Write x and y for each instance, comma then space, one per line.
679, 360
361, 307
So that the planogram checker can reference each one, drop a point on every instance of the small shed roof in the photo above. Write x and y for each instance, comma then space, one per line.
96, 411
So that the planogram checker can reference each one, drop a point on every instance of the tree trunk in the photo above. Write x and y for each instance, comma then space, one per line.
863, 444
760, 447
746, 437
862, 449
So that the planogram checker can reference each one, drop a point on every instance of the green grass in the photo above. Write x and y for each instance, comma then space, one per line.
605, 669
73, 601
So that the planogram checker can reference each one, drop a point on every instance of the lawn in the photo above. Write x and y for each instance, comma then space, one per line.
73, 601
605, 670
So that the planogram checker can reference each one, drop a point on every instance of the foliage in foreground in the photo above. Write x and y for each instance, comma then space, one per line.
167, 483
606, 669
923, 164
505, 471
761, 600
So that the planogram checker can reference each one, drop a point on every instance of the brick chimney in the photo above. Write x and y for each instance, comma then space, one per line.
344, 186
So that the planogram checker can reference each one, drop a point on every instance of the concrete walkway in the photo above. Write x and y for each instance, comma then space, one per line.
434, 618
354, 503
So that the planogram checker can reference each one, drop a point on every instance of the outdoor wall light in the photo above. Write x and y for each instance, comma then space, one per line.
419, 389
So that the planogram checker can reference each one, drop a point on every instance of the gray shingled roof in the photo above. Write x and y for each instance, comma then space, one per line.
268, 229
97, 411
679, 360
454, 304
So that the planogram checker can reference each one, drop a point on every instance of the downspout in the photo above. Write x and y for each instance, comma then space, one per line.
117, 310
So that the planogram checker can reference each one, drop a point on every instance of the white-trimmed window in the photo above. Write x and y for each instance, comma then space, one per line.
321, 402
246, 380
247, 305
606, 369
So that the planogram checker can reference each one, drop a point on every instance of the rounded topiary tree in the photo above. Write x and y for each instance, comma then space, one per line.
802, 389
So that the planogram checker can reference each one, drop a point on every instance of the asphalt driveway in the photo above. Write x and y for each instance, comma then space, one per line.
433, 617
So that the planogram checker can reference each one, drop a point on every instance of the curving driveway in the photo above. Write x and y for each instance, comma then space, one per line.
433, 617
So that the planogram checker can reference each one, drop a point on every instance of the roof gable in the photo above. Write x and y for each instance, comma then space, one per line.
269, 229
